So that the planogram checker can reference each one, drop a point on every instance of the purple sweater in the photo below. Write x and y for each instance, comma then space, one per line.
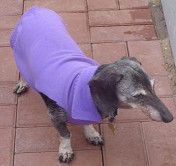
53, 64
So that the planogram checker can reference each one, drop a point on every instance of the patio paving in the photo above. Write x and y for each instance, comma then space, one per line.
105, 30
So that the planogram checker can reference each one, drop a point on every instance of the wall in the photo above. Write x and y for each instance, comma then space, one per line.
169, 8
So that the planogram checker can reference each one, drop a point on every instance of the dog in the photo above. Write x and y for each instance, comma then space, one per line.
107, 87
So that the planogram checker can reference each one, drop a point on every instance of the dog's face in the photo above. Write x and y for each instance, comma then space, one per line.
125, 84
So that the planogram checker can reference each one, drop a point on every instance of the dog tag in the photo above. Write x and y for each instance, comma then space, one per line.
113, 127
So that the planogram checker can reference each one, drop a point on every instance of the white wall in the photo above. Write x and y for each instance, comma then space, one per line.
169, 8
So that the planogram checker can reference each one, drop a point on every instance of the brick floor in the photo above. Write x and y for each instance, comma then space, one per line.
105, 30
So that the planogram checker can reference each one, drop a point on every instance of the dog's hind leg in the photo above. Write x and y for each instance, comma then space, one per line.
92, 135
20, 88
59, 119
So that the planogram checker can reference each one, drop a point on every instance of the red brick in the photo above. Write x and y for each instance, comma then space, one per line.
32, 111
37, 139
31, 97
33, 115
5, 37
8, 22
122, 33
7, 65
86, 48
7, 115
125, 147
58, 5
131, 115
5, 159
120, 17
161, 143
102, 4
147, 52
6, 94
11, 7
109, 52
162, 86
42, 139
77, 26
6, 140
126, 4
50, 158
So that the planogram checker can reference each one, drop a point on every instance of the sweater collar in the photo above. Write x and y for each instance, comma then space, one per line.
82, 107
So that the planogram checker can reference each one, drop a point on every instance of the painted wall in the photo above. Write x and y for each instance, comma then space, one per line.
169, 8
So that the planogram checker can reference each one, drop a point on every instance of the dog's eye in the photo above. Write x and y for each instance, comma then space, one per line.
138, 95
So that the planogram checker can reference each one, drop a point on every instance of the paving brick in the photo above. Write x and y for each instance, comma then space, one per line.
50, 158
6, 140
102, 4
7, 115
6, 94
5, 159
7, 65
42, 139
37, 139
11, 7
125, 147
5, 37
162, 86
31, 97
131, 115
147, 52
8, 22
126, 4
161, 143
120, 17
32, 111
109, 52
122, 33
86, 48
77, 26
58, 5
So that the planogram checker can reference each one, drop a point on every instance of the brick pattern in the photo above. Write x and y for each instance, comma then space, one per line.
105, 5
127, 144
128, 4
122, 33
120, 17
105, 30
58, 5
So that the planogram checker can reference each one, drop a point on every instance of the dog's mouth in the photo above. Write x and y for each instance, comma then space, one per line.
159, 116
152, 114
156, 112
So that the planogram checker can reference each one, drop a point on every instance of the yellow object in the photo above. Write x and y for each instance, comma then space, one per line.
113, 127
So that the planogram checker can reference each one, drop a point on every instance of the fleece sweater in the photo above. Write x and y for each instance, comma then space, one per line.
52, 63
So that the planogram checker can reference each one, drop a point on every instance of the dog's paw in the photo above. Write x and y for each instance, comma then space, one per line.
65, 150
20, 88
66, 157
97, 140
92, 136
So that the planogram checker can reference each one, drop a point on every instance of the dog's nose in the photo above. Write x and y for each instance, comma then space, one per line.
167, 118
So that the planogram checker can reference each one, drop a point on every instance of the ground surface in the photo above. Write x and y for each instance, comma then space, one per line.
105, 30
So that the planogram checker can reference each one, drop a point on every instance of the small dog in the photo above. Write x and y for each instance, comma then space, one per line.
121, 84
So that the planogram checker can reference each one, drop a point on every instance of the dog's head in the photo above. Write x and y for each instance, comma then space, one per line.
125, 84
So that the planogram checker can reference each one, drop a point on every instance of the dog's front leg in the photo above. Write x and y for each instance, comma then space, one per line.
59, 118
65, 150
92, 135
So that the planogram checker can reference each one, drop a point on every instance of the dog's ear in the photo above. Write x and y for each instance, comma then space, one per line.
103, 90
132, 59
